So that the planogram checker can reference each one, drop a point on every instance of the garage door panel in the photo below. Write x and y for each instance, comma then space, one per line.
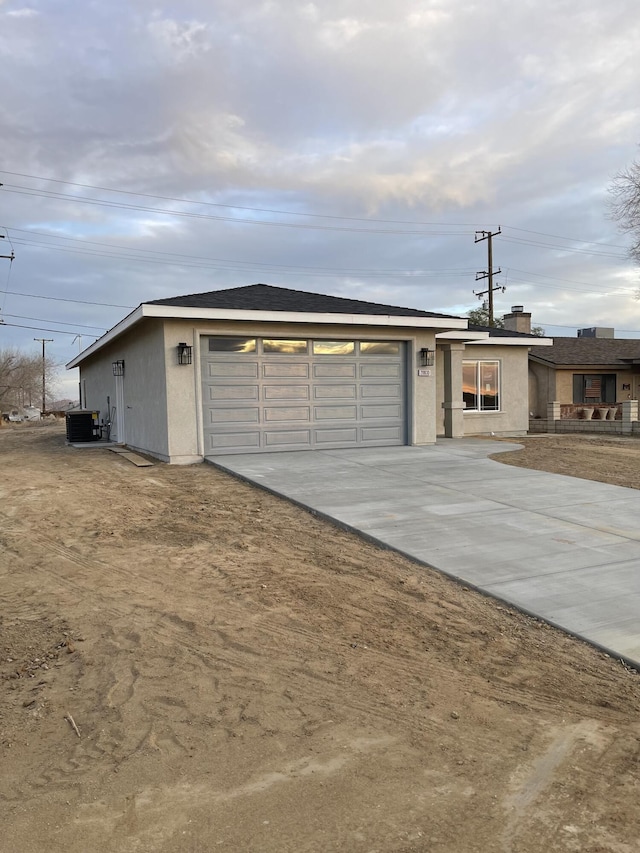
380, 412
288, 413
287, 437
334, 371
335, 413
225, 393
256, 402
380, 370
335, 392
336, 436
237, 441
286, 392
223, 369
381, 391
236, 416
282, 369
381, 433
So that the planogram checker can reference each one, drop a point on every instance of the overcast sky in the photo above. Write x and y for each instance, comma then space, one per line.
350, 147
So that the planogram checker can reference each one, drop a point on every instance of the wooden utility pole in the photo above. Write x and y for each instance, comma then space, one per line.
43, 341
8, 257
489, 272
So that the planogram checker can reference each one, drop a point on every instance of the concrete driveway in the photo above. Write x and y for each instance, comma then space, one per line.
564, 549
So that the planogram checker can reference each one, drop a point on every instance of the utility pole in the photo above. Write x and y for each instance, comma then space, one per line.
489, 272
43, 341
8, 257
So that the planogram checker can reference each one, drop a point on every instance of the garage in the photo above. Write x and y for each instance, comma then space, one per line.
262, 394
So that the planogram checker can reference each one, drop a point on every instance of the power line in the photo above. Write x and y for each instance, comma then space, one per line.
237, 206
281, 212
567, 239
164, 256
74, 301
57, 322
28, 191
37, 328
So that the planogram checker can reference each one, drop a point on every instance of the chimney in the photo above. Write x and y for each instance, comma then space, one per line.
596, 332
518, 320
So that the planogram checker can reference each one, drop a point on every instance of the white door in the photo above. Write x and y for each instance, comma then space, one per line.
118, 426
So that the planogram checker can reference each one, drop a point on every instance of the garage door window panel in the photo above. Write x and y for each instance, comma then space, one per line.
232, 345
283, 346
379, 348
334, 348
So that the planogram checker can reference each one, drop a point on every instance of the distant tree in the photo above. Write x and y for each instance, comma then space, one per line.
21, 379
480, 317
625, 204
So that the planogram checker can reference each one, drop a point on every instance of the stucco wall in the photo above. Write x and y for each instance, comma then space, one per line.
183, 382
542, 388
513, 416
145, 418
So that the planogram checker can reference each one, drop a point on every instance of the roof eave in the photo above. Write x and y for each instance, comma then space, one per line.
131, 319
171, 312
518, 342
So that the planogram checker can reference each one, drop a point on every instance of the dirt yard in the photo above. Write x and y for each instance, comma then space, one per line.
188, 664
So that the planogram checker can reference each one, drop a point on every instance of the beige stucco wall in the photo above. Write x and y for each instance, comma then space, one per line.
183, 382
145, 407
513, 416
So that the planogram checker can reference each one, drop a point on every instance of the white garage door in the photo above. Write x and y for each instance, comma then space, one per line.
266, 394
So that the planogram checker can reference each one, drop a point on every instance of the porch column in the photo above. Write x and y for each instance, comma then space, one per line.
553, 415
453, 405
629, 415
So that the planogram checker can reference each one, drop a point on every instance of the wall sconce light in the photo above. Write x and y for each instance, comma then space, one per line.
427, 357
185, 353
118, 367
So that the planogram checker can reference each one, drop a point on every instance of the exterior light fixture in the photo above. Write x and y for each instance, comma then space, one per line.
427, 357
118, 367
185, 353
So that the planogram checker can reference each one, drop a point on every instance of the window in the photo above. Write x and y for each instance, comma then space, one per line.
481, 386
284, 347
232, 344
333, 347
594, 388
379, 347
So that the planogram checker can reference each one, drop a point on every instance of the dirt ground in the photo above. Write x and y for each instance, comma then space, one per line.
245, 677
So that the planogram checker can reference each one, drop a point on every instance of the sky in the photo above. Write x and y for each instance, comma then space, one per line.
349, 147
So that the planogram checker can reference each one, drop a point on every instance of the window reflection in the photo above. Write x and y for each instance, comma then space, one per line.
232, 344
285, 347
379, 347
481, 385
333, 347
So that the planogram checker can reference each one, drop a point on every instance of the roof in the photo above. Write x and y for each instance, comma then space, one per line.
263, 303
495, 332
596, 351
266, 297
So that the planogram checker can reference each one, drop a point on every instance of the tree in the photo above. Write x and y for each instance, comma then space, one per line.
21, 379
480, 317
625, 204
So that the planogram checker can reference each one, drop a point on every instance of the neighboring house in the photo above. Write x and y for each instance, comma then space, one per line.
261, 368
594, 368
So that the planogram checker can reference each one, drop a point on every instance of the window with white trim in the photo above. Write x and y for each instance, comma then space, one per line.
481, 386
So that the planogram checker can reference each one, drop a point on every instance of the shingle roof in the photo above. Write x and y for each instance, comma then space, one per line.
266, 297
501, 333
589, 351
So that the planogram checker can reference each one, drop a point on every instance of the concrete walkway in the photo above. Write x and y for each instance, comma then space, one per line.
564, 549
